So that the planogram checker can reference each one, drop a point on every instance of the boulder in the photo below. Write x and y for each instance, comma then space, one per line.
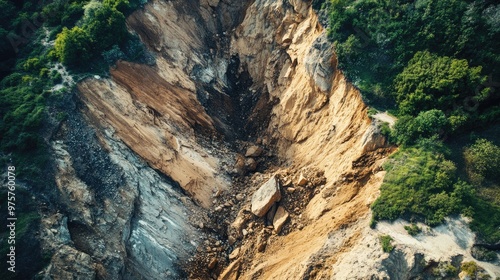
250, 164
236, 226
373, 139
264, 198
69, 263
318, 62
253, 151
280, 219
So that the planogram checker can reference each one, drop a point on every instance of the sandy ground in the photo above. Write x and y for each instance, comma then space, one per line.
440, 243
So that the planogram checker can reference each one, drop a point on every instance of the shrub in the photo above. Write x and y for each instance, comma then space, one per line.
114, 54
73, 46
422, 182
413, 229
445, 269
32, 64
386, 241
482, 254
482, 161
105, 25
431, 81
470, 268
427, 124
63, 12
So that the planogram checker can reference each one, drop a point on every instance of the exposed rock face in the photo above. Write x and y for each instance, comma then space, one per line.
120, 218
69, 263
373, 139
264, 198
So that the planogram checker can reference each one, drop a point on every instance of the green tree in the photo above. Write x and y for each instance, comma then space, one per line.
408, 130
73, 46
105, 25
375, 39
120, 5
63, 12
431, 81
482, 161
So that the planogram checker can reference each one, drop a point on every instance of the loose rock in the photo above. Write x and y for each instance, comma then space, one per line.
251, 164
280, 219
302, 181
212, 263
253, 151
265, 197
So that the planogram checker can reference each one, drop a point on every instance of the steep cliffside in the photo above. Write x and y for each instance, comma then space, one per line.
154, 171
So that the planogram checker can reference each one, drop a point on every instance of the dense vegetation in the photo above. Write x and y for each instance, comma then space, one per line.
39, 37
89, 36
434, 64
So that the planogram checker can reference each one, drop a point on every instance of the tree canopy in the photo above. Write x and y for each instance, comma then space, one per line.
73, 46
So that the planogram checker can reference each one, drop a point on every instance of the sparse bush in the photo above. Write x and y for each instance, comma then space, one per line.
445, 269
136, 51
372, 111
482, 161
386, 130
55, 77
386, 241
413, 229
470, 268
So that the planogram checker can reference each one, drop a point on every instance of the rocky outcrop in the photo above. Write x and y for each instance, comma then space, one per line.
118, 217
69, 263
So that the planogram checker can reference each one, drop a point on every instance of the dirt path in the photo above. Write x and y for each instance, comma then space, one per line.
385, 117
